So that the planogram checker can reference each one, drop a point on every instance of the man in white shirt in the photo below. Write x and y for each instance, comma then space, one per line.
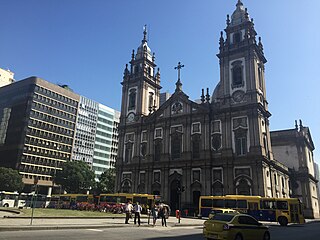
128, 209
137, 212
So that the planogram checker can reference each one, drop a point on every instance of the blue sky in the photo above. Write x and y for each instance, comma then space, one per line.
86, 44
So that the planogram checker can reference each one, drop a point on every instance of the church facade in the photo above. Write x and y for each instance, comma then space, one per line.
183, 149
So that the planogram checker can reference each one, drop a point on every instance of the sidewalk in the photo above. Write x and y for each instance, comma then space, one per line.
11, 223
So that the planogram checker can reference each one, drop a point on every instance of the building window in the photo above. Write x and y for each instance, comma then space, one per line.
196, 175
150, 101
196, 127
260, 76
243, 187
126, 175
217, 174
175, 146
142, 177
216, 126
132, 99
143, 149
237, 37
240, 128
144, 136
157, 176
158, 133
241, 143
237, 74
216, 142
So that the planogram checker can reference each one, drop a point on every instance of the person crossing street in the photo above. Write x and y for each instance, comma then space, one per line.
137, 213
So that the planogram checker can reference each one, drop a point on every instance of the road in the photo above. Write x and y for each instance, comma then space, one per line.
294, 232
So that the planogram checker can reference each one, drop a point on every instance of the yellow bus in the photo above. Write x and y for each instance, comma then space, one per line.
145, 200
282, 210
74, 201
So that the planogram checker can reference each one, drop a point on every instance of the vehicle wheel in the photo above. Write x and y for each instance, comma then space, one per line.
6, 205
266, 236
238, 237
283, 221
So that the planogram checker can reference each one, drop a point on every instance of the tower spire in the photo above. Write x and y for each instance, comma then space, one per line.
178, 83
144, 33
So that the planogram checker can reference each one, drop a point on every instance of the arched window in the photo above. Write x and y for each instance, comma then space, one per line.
243, 187
237, 76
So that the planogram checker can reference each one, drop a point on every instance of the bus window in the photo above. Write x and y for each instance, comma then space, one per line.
206, 202
266, 204
242, 204
144, 200
82, 199
65, 198
282, 205
230, 203
218, 203
253, 206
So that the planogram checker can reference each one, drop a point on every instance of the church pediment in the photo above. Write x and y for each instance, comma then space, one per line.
178, 105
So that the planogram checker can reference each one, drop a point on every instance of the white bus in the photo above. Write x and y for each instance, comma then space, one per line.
11, 199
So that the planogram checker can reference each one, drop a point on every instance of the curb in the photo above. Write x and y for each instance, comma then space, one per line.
34, 228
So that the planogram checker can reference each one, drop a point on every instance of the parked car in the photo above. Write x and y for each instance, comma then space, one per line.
230, 226
214, 211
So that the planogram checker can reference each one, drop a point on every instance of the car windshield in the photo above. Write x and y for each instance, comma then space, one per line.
223, 217
216, 211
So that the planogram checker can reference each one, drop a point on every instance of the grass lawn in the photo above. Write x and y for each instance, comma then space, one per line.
49, 212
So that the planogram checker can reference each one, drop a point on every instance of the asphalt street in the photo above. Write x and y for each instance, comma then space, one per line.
309, 231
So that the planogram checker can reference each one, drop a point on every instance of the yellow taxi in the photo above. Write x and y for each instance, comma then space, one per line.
230, 226
214, 211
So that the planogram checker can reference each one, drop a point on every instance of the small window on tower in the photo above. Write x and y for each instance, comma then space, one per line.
237, 74
236, 37
132, 99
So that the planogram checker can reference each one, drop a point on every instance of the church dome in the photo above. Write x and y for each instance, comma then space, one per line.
239, 15
216, 93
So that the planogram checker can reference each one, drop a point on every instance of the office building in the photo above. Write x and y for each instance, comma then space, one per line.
6, 77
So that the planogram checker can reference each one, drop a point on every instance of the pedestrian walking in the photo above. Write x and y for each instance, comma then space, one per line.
137, 213
162, 215
128, 210
154, 213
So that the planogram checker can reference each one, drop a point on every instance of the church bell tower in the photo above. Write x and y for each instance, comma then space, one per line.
241, 90
141, 84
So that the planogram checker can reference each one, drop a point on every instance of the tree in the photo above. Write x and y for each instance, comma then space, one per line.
107, 181
10, 180
75, 177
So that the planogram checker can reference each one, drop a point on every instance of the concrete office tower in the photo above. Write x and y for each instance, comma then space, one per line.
86, 126
37, 120
106, 140
6, 77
